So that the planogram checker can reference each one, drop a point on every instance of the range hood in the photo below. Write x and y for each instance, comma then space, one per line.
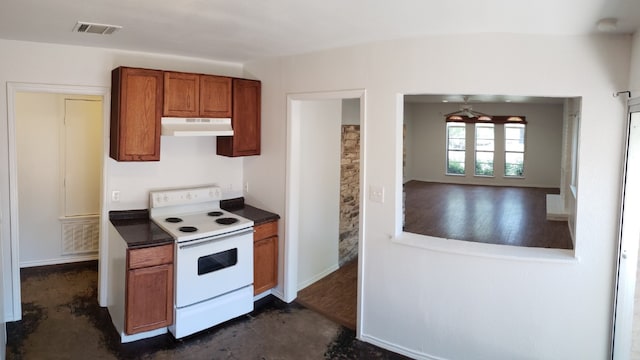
172, 126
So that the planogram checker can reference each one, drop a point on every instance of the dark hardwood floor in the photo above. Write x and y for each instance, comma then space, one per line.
488, 214
335, 295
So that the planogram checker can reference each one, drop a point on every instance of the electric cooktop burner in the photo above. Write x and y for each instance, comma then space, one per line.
226, 221
173, 220
215, 213
188, 229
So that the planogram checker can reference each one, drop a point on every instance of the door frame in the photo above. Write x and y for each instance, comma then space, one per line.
13, 311
627, 260
292, 201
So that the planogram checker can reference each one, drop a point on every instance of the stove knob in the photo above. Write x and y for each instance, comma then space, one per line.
188, 196
166, 198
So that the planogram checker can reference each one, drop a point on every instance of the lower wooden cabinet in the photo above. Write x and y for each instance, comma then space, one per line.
149, 289
265, 257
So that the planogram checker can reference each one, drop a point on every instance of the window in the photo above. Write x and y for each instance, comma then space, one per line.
514, 150
484, 149
456, 139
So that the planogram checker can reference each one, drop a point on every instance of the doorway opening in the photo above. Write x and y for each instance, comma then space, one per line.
323, 257
58, 138
57, 147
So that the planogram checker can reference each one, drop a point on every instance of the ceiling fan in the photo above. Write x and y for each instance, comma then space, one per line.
466, 110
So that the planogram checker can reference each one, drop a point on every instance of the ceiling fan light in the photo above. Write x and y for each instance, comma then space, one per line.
484, 118
454, 118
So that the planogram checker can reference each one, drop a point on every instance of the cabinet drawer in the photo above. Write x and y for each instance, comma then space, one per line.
265, 230
151, 256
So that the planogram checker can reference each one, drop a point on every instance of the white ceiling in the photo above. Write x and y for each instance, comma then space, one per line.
242, 30
478, 99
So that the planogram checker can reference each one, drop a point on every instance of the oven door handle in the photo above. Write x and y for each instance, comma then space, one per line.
205, 241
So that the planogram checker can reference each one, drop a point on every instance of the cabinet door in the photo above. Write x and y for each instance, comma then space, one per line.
136, 109
265, 257
245, 121
149, 302
215, 96
181, 94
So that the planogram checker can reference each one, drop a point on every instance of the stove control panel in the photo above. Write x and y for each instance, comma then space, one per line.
175, 197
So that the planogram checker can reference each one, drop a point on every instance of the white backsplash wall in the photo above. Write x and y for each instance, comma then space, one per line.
184, 162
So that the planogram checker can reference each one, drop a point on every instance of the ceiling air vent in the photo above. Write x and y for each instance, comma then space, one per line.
92, 28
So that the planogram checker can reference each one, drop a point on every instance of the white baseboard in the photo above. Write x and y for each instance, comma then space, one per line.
398, 349
57, 261
318, 276
279, 295
262, 295
124, 338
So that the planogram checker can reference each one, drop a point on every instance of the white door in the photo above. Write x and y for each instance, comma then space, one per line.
626, 337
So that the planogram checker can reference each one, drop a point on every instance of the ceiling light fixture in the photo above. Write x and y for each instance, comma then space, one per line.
607, 24
94, 28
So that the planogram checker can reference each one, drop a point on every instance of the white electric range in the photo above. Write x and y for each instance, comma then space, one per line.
213, 260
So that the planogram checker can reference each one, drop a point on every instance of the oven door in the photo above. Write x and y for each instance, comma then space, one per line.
209, 267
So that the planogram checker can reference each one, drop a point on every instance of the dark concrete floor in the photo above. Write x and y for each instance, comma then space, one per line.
62, 320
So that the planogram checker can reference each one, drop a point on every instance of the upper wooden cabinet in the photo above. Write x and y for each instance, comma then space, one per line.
196, 95
141, 97
245, 120
215, 96
136, 109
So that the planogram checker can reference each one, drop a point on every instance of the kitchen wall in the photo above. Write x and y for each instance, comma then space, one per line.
543, 144
429, 298
319, 183
184, 162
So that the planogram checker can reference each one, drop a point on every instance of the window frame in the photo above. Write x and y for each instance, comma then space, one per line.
522, 126
463, 151
487, 125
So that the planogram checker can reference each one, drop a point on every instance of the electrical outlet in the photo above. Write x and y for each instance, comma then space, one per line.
115, 196
376, 193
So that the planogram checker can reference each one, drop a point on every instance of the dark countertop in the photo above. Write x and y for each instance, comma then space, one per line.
238, 207
137, 229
